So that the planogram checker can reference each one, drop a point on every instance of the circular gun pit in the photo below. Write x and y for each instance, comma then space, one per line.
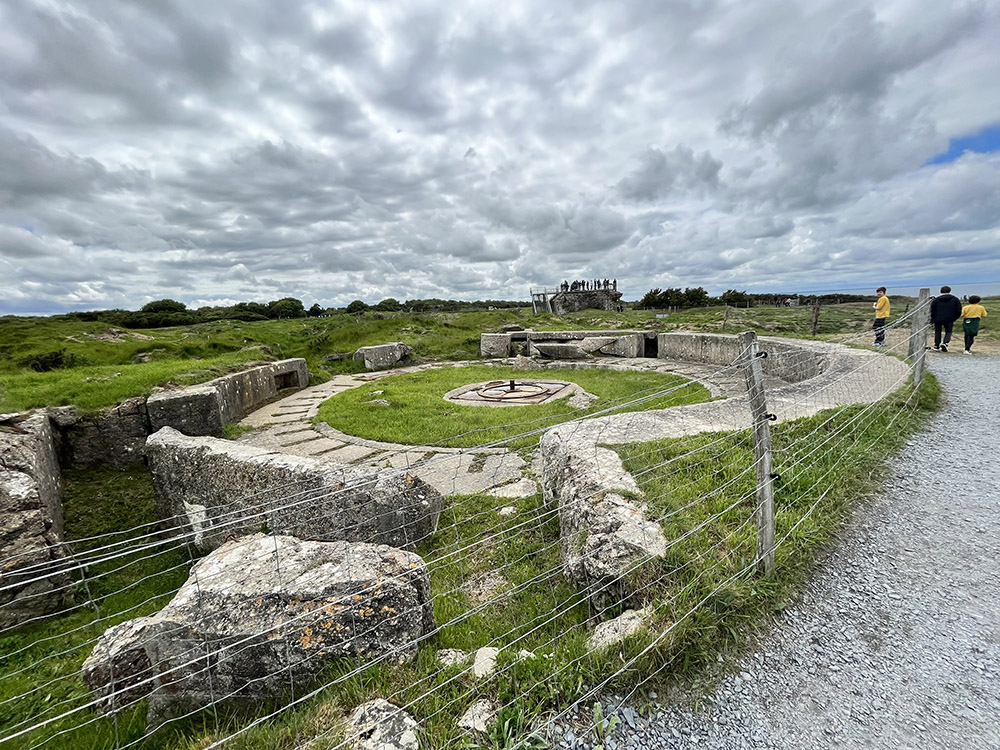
514, 392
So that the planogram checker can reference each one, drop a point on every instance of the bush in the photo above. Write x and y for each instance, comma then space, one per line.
48, 361
163, 306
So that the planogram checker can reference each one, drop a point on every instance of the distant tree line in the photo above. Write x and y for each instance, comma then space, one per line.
698, 297
168, 312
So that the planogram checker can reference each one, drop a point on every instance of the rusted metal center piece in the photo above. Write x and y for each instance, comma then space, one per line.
502, 390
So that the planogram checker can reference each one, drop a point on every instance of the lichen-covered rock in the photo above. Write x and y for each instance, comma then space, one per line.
604, 533
479, 717
262, 613
617, 630
379, 725
220, 489
383, 356
118, 671
33, 581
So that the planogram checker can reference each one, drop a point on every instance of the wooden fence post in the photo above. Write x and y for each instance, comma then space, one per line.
815, 327
754, 374
919, 325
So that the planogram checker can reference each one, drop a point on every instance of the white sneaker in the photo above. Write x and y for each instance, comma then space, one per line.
944, 347
967, 351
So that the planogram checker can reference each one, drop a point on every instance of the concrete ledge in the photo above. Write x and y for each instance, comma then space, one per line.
792, 362
206, 408
219, 489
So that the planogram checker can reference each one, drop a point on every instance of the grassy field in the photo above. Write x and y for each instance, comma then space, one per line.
101, 365
704, 601
418, 414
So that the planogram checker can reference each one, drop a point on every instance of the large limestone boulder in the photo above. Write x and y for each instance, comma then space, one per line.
220, 489
604, 533
33, 582
262, 613
383, 356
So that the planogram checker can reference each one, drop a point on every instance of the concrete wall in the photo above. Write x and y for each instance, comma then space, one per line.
206, 408
791, 362
219, 489
610, 343
602, 517
32, 579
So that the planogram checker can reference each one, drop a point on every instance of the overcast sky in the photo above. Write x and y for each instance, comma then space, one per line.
220, 152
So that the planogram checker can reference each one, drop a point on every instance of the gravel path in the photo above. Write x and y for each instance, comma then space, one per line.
896, 642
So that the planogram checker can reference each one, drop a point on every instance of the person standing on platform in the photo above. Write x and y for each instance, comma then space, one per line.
945, 310
881, 306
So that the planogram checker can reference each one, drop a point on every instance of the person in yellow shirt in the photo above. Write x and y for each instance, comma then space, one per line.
972, 313
881, 306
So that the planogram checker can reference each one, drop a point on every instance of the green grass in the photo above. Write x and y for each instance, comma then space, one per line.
702, 489
111, 364
418, 414
702, 606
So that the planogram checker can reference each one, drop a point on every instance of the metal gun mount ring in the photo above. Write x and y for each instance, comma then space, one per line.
510, 390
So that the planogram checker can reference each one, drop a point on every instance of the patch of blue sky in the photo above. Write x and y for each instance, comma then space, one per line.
985, 141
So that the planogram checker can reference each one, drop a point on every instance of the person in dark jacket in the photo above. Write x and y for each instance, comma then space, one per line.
945, 310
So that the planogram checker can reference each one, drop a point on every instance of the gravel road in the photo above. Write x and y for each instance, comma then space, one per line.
896, 642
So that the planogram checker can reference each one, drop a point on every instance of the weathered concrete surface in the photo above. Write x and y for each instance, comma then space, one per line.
592, 490
601, 299
494, 345
206, 408
383, 356
591, 344
115, 437
32, 578
263, 612
792, 361
220, 489
556, 350
118, 671
603, 534
629, 345
379, 725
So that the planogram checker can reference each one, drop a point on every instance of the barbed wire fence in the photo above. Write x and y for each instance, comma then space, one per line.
499, 611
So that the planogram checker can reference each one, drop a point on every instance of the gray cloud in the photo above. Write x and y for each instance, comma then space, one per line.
179, 149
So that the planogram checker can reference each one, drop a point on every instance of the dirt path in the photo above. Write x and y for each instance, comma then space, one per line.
896, 643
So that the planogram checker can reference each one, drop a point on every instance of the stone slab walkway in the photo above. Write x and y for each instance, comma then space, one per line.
286, 426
